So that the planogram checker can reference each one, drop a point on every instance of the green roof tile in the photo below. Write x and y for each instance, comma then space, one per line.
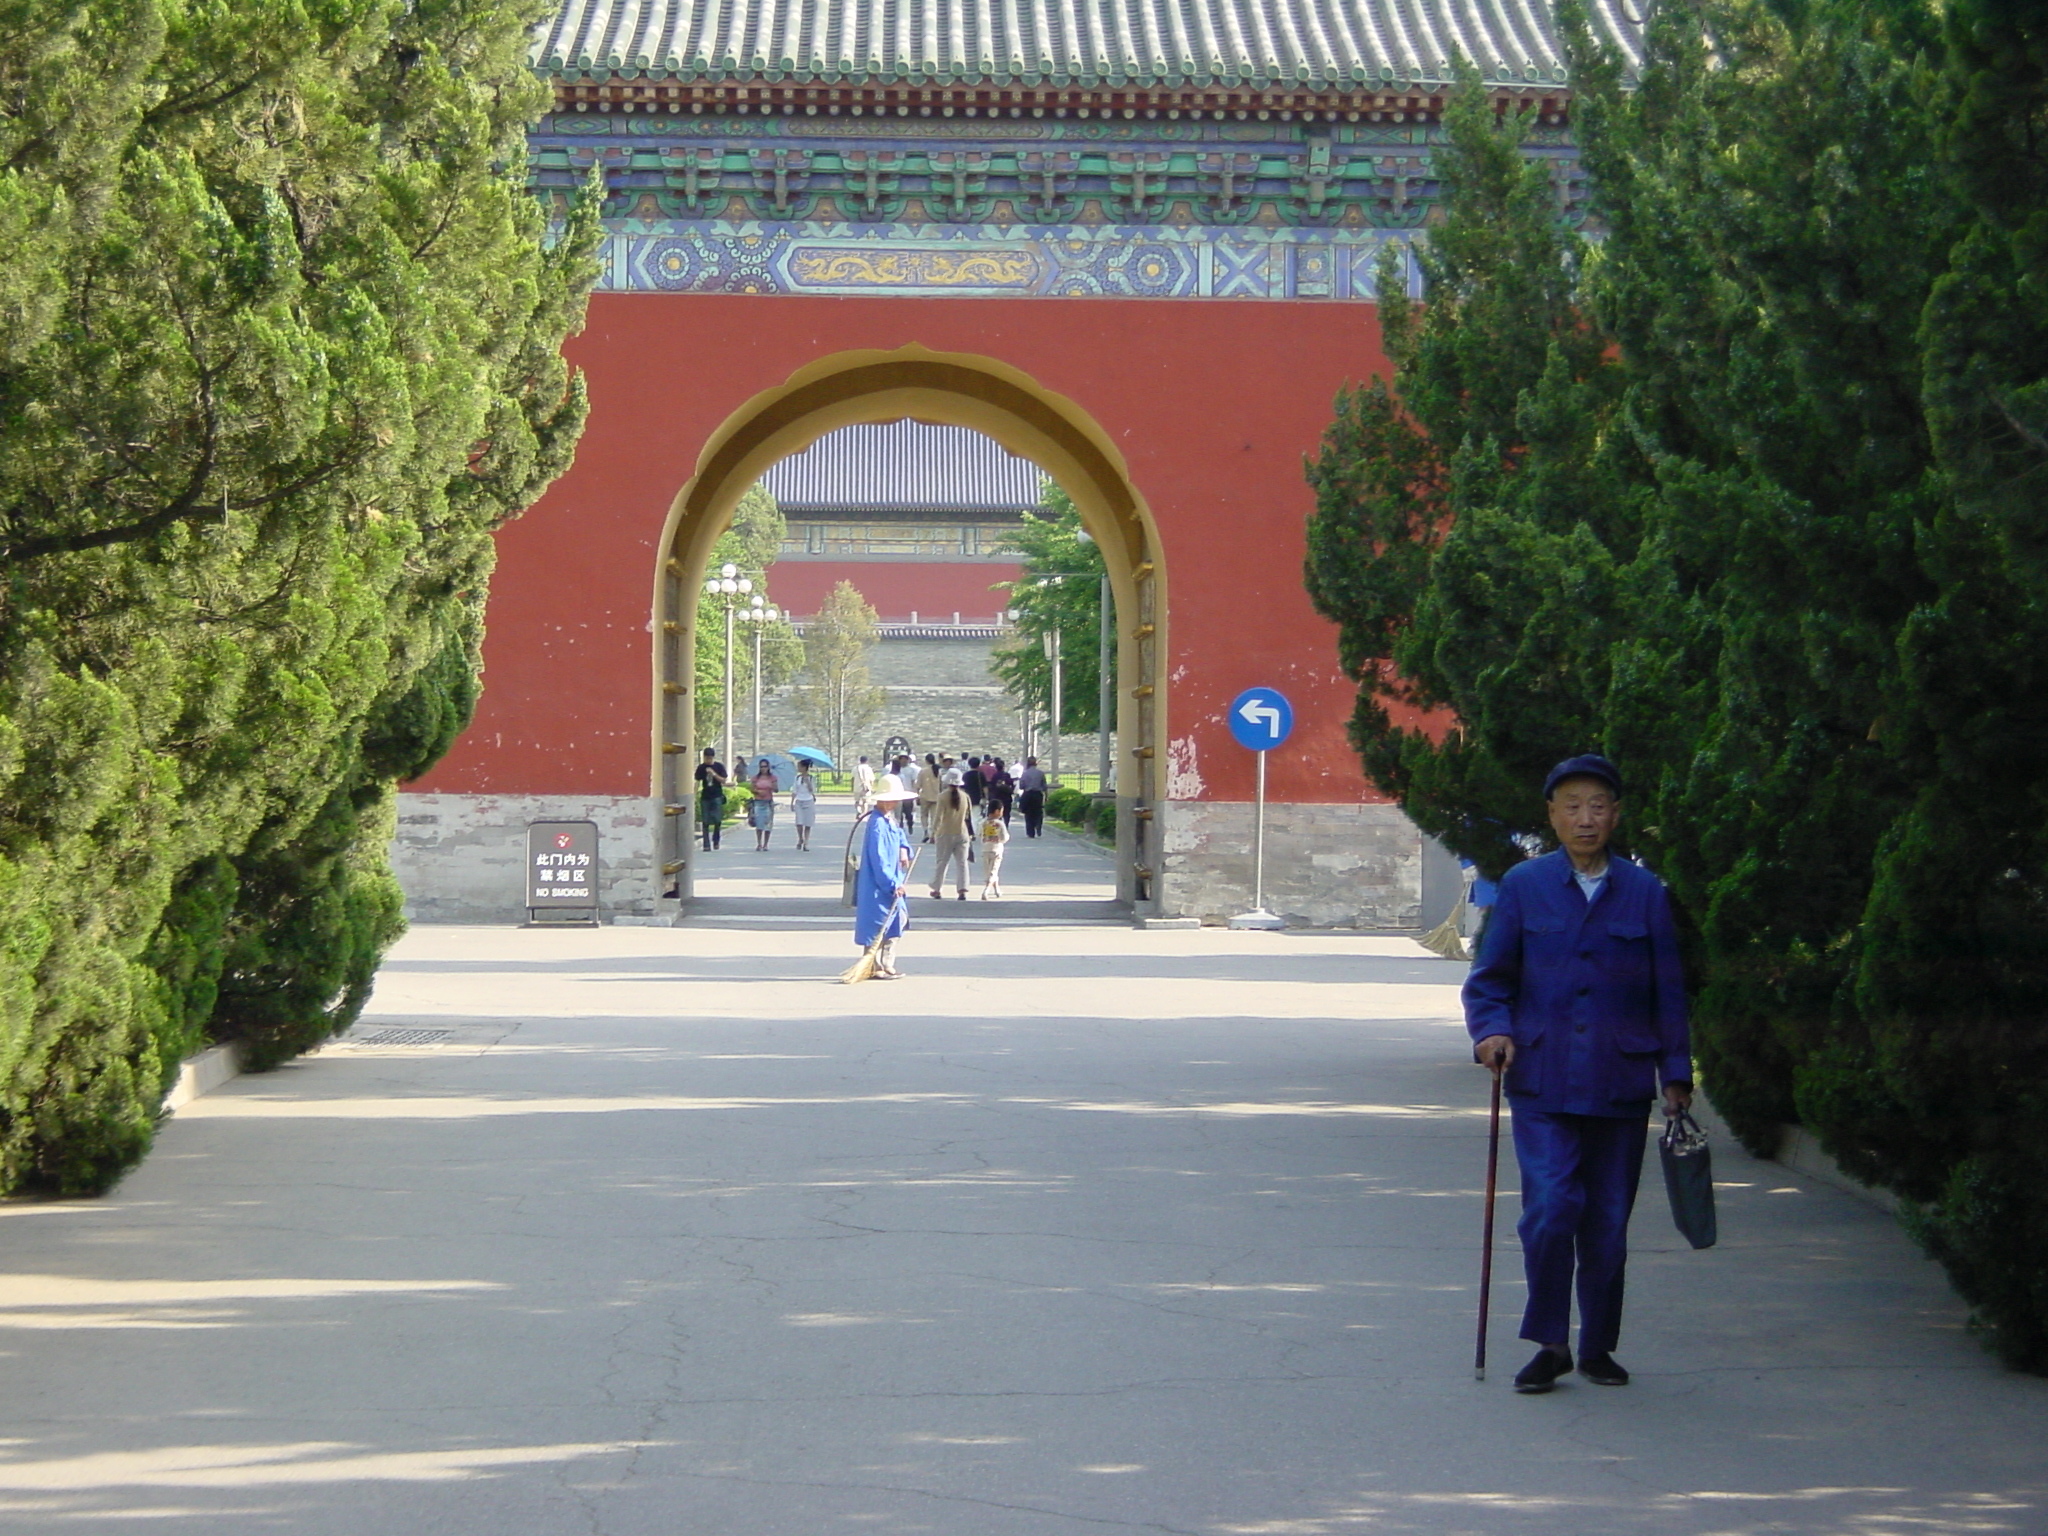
1320, 44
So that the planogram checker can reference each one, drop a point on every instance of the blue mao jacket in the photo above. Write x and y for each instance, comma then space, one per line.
878, 911
1592, 993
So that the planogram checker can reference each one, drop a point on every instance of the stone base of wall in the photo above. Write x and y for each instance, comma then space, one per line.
1326, 865
462, 858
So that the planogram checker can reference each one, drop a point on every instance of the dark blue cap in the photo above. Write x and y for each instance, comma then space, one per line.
1591, 766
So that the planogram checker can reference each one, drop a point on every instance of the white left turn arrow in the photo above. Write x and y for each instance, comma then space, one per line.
1255, 711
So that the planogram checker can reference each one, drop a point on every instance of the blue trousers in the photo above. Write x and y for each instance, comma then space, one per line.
1579, 1176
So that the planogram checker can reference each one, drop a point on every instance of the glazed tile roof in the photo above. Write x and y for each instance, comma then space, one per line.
904, 466
1318, 44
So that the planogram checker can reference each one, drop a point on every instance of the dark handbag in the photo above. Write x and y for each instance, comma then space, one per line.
1689, 1178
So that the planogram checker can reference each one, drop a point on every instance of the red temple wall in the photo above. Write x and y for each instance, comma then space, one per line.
932, 589
1213, 404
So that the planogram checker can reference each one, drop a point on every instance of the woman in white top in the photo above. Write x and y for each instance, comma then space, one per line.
803, 806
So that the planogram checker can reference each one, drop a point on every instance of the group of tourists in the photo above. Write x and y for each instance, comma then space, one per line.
762, 786
986, 781
962, 811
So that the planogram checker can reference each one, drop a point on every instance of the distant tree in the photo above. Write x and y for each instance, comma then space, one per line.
1061, 589
836, 700
752, 544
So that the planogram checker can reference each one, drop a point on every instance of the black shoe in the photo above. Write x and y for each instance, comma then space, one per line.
1601, 1370
1541, 1374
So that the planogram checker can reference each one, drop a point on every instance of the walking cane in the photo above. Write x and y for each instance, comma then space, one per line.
1486, 1242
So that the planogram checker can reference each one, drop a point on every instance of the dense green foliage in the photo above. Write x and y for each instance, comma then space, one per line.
1748, 495
279, 347
750, 546
1061, 589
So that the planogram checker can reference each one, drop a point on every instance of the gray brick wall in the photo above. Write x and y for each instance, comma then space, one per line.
941, 697
1326, 865
462, 858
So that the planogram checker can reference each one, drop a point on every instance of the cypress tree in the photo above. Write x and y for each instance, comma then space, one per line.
1462, 525
280, 350
1953, 970
1791, 551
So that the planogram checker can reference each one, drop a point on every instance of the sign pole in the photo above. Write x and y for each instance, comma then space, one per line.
1053, 655
1261, 719
1259, 840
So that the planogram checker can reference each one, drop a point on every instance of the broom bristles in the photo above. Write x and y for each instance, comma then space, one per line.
1445, 939
864, 968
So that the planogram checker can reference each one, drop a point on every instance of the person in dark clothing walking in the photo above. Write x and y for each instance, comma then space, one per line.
711, 797
1031, 796
1579, 998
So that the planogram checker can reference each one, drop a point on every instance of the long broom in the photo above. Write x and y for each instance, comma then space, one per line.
863, 969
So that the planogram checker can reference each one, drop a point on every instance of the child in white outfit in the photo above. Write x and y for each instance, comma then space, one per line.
995, 835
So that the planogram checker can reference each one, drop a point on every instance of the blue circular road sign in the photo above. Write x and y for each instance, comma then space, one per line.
1261, 718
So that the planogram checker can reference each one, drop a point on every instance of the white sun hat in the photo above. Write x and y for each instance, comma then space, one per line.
890, 787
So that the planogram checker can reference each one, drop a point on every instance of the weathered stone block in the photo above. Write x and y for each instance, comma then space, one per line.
1326, 865
462, 858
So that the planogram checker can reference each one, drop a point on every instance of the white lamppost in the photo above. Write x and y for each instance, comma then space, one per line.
759, 614
1052, 654
1009, 617
727, 588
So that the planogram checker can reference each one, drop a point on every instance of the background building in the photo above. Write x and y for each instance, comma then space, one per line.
918, 516
1135, 243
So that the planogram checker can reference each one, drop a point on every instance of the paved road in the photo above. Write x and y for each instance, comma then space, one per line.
1058, 877
1075, 1229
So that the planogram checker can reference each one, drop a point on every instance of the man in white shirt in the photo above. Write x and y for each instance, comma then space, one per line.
863, 787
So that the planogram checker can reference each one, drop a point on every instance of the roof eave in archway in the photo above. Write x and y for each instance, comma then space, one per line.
1419, 102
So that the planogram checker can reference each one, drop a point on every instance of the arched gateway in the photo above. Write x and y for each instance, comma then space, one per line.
958, 390
1132, 240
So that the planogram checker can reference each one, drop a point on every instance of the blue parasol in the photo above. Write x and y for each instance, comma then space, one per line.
812, 755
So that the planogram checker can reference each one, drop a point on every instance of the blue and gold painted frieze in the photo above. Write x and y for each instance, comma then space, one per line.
1021, 207
936, 260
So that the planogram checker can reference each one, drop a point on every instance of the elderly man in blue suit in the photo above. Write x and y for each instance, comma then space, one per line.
1578, 996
